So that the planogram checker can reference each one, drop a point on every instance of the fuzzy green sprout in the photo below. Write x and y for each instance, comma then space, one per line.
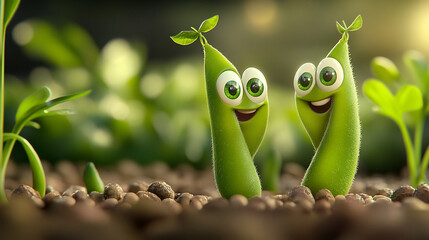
32, 107
411, 99
238, 108
327, 105
92, 179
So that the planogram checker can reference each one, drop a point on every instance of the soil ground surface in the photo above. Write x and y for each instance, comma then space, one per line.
156, 202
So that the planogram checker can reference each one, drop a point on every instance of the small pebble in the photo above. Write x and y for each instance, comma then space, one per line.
72, 189
354, 197
113, 190
381, 198
51, 196
270, 202
96, 196
138, 186
203, 199
184, 199
162, 190
196, 204
402, 192
422, 192
25, 191
131, 198
301, 192
216, 203
322, 206
80, 195
66, 201
340, 197
257, 203
385, 192
305, 205
173, 205
282, 197
148, 195
109, 203
238, 201
325, 194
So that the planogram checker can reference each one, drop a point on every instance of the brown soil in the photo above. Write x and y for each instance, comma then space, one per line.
155, 202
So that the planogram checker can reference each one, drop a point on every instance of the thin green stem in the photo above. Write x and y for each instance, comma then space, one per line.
424, 166
410, 152
418, 138
3, 198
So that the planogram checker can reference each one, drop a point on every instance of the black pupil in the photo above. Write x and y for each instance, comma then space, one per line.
232, 90
304, 80
255, 87
328, 75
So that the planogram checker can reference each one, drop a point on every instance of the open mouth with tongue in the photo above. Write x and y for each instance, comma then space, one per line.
245, 115
321, 106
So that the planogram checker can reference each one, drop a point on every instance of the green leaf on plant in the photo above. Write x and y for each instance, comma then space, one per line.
10, 7
92, 179
33, 124
67, 98
384, 69
356, 24
409, 98
378, 93
185, 37
209, 24
39, 182
32, 101
418, 66
340, 28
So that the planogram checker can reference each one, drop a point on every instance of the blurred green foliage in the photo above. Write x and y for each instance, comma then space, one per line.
157, 110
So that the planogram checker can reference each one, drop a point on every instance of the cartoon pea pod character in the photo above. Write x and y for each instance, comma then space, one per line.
238, 108
327, 104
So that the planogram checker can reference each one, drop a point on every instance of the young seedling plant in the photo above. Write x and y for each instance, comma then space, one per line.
32, 107
327, 104
411, 100
238, 108
92, 179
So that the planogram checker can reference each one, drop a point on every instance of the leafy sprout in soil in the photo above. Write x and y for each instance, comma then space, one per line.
92, 179
327, 105
31, 108
238, 108
411, 98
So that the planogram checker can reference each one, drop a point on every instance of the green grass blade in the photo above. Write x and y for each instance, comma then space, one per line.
10, 7
92, 179
39, 182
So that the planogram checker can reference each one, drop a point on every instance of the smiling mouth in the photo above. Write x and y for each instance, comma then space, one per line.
245, 115
321, 106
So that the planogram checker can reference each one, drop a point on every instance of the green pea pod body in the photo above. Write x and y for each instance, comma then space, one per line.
234, 142
335, 134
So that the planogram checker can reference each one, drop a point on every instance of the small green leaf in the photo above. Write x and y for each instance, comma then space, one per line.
92, 179
67, 98
409, 98
39, 180
356, 24
185, 37
340, 28
32, 101
418, 67
33, 124
10, 7
378, 93
384, 69
209, 24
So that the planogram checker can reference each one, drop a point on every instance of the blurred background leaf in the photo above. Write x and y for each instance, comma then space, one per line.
148, 98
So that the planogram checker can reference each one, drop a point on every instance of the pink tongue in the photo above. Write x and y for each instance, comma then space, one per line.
242, 117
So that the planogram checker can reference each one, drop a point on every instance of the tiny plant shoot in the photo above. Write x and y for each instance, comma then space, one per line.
411, 99
238, 108
327, 105
32, 107
92, 179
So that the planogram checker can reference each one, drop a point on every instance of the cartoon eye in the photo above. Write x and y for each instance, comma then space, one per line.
330, 75
229, 88
256, 85
304, 79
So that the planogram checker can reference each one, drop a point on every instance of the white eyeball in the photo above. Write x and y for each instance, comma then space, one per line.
330, 75
229, 88
304, 79
255, 85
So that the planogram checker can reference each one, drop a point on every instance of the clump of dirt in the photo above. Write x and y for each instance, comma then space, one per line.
156, 202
